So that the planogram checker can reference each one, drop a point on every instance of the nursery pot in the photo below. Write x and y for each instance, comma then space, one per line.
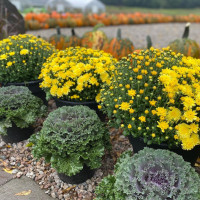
189, 156
82, 176
16, 134
91, 104
33, 86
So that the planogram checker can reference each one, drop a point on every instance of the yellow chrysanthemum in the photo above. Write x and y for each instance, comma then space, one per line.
124, 106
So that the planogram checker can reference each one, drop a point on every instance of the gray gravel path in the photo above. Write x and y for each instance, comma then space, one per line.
161, 34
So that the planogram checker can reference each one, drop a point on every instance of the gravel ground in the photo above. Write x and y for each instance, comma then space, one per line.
19, 158
161, 34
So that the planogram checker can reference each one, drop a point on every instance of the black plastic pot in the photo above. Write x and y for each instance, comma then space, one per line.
85, 174
189, 156
33, 86
91, 104
16, 134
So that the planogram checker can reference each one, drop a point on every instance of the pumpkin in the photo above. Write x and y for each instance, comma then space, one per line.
58, 40
94, 39
185, 45
119, 47
73, 40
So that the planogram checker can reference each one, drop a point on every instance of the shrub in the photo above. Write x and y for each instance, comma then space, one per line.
71, 137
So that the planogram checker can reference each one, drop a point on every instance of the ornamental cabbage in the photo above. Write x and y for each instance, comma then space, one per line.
150, 175
18, 105
70, 138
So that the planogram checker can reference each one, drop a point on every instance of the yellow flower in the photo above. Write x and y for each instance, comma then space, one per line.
131, 111
174, 114
191, 142
9, 64
129, 126
160, 111
190, 115
152, 103
142, 118
24, 51
124, 106
3, 57
163, 125
153, 135
132, 92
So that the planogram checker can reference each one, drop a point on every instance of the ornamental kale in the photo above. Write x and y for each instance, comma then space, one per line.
19, 106
150, 175
70, 138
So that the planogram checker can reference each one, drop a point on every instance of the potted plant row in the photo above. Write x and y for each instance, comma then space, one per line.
21, 60
150, 174
73, 140
19, 110
154, 98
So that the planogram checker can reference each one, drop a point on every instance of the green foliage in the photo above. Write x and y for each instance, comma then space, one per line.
151, 174
19, 106
70, 138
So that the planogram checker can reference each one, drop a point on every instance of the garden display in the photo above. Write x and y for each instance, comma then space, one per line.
102, 101
73, 140
75, 76
21, 60
150, 174
154, 96
19, 110
185, 45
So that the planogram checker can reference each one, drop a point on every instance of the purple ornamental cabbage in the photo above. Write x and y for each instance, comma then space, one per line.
155, 175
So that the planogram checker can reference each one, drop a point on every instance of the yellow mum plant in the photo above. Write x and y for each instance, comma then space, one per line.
21, 57
76, 73
155, 94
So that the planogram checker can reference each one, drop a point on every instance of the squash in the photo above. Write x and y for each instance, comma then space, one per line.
94, 39
185, 46
73, 40
119, 47
58, 40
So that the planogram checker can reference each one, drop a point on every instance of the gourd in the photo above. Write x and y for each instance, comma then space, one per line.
119, 47
94, 39
73, 40
185, 45
58, 39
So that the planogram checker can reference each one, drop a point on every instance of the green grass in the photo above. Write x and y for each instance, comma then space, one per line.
122, 9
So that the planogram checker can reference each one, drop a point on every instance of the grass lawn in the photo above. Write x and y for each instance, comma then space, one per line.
122, 9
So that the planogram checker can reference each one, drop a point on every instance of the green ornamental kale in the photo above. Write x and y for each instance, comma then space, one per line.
70, 138
151, 175
19, 106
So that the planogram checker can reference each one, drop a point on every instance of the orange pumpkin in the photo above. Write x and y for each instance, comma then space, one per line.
58, 40
118, 47
73, 40
94, 39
